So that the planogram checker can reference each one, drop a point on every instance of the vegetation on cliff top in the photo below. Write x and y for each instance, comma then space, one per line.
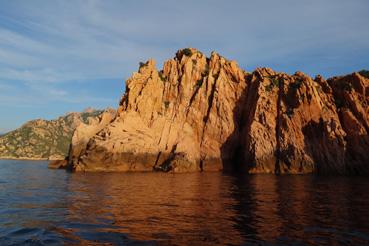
42, 139
364, 73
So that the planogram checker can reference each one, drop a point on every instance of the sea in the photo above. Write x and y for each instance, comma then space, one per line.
40, 206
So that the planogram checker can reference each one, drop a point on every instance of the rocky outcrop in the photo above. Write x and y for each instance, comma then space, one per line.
43, 139
351, 95
84, 132
58, 164
207, 114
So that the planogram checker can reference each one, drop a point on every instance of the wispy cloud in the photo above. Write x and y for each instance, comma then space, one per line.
98, 39
46, 46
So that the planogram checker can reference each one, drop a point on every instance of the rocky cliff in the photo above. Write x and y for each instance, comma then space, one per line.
207, 114
44, 139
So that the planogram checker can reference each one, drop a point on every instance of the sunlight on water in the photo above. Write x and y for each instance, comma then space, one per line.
43, 206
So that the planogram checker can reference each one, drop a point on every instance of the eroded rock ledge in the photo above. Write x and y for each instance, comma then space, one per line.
207, 114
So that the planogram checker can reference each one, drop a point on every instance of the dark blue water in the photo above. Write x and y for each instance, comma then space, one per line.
39, 206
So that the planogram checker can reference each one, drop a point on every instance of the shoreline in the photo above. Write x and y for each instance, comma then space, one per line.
27, 158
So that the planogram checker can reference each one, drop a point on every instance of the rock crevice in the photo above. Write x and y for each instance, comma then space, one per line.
207, 114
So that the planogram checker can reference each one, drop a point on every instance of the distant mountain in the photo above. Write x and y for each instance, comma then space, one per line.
44, 139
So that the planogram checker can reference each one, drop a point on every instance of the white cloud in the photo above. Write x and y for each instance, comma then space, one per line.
65, 41
58, 93
46, 45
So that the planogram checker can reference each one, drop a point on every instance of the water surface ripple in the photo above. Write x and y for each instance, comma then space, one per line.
39, 206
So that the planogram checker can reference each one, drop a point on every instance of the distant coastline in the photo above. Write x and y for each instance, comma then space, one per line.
25, 158
44, 139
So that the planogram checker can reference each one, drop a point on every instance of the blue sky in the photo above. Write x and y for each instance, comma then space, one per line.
62, 56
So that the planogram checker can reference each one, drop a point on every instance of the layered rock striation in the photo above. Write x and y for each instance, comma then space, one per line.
207, 114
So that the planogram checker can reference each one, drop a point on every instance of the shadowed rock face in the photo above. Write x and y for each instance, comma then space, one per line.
207, 114
84, 132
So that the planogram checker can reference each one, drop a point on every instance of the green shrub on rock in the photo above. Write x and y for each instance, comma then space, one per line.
187, 52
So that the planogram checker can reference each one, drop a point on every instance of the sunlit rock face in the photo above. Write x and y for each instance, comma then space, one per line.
207, 114
44, 139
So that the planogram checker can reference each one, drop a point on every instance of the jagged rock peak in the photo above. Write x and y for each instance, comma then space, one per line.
206, 113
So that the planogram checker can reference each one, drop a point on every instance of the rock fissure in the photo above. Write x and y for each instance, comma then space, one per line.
277, 169
202, 114
210, 105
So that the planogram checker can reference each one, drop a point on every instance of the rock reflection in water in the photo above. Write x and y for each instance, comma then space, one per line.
183, 207
45, 206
